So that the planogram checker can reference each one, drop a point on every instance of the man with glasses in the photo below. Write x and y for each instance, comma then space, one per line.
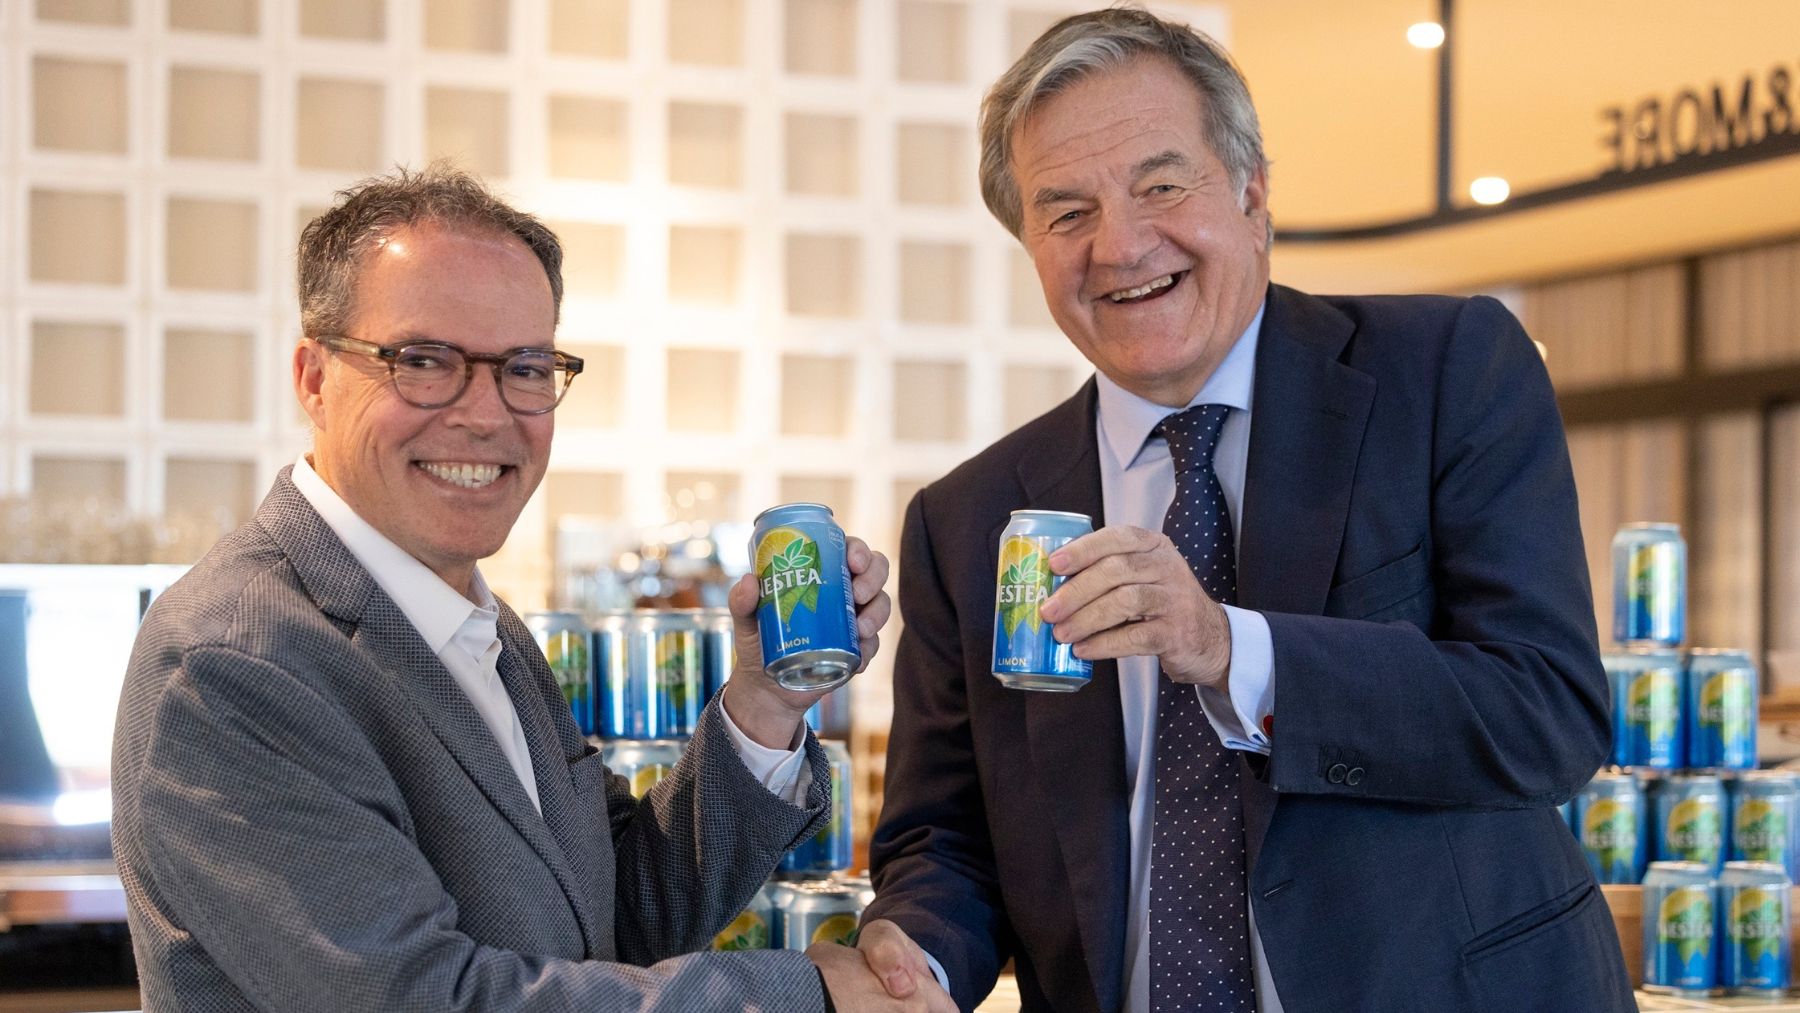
343, 776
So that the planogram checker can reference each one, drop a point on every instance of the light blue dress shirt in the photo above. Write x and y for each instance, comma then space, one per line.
1137, 484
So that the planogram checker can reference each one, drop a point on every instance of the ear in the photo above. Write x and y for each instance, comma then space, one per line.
1255, 202
309, 380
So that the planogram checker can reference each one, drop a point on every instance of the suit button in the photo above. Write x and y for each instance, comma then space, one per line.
1336, 774
1354, 777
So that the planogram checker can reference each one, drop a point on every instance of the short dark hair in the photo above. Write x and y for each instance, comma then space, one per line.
1080, 45
333, 245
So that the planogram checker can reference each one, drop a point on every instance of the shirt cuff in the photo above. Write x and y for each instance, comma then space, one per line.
783, 771
938, 969
1237, 717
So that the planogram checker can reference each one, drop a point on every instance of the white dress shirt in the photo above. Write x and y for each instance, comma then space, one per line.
465, 637
1137, 484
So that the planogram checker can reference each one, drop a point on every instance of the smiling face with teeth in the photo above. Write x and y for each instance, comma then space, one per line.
445, 484
1151, 261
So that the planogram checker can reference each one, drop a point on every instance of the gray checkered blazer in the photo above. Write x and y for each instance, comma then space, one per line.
310, 815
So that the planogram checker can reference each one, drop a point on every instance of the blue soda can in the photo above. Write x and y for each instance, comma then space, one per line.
1765, 818
563, 637
718, 652
1026, 654
828, 850
1679, 927
1722, 688
662, 655
1567, 812
820, 912
805, 611
1646, 692
829, 716
644, 764
1649, 585
1690, 820
1610, 820
752, 929
614, 702
1754, 903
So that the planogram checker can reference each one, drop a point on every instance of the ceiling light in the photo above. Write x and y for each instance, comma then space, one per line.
1489, 190
1426, 35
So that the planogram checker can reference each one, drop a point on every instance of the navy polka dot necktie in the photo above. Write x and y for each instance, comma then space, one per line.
1199, 931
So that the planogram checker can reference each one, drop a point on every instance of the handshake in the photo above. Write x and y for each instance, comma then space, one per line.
885, 971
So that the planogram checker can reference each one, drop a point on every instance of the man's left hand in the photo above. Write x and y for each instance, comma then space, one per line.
1131, 593
759, 706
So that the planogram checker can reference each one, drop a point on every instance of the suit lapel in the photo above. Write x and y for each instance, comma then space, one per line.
1077, 740
345, 592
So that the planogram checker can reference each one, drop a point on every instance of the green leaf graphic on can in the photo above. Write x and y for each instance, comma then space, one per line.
1651, 704
1724, 705
1023, 586
1609, 830
1761, 831
787, 571
1686, 919
1694, 830
1757, 924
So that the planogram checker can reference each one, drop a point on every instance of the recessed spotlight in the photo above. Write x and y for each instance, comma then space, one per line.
1426, 35
1489, 190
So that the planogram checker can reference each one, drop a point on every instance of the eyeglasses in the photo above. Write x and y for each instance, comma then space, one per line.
434, 374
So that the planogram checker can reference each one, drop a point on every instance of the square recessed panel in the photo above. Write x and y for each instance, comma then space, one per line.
588, 138
821, 37
1025, 306
702, 390
934, 283
582, 494
597, 29
933, 163
204, 489
932, 45
78, 237
338, 125
60, 483
824, 275
815, 395
78, 105
593, 258
469, 127
351, 20
821, 155
208, 376
703, 496
708, 32
706, 146
86, 12
596, 398
1031, 391
77, 369
705, 263
928, 401
214, 113
211, 245
232, 17
469, 26
835, 491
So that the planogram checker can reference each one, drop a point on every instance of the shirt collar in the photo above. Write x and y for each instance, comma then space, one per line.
1126, 420
437, 610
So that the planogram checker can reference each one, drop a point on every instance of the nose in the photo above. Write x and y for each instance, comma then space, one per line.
480, 407
1123, 237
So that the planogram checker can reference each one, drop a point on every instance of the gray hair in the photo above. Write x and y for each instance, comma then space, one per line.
333, 245
1078, 46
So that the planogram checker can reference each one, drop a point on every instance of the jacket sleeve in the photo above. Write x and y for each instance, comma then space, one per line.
931, 858
1489, 692
274, 838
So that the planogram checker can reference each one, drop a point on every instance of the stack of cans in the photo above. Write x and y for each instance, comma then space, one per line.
1707, 931
796, 913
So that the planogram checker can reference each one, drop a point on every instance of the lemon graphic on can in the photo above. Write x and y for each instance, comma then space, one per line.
836, 929
748, 931
645, 778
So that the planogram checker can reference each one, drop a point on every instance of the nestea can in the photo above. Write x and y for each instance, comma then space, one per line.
1679, 928
752, 928
829, 849
1765, 817
643, 763
1610, 820
1690, 820
663, 689
820, 912
563, 637
1026, 654
1649, 585
1754, 958
1647, 693
805, 611
1722, 688
616, 706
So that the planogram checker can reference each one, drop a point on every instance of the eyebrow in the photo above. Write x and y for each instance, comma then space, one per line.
1162, 160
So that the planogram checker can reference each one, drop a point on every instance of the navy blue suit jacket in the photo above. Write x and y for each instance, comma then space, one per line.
1410, 531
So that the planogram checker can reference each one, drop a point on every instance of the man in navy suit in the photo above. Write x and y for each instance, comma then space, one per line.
1395, 666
